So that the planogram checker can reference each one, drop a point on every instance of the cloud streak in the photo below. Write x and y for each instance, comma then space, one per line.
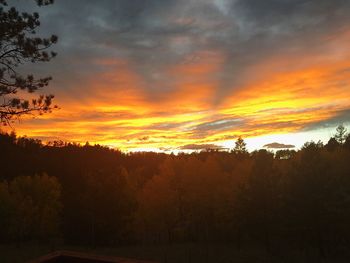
276, 145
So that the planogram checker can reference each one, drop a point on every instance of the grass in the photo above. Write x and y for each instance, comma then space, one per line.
176, 253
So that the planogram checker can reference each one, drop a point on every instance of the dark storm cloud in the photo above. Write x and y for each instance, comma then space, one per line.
340, 117
145, 32
275, 11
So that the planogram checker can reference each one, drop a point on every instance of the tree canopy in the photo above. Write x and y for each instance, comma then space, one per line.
240, 146
19, 44
293, 199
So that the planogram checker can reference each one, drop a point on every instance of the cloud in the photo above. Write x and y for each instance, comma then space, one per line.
276, 145
144, 138
218, 125
196, 147
192, 72
340, 117
153, 39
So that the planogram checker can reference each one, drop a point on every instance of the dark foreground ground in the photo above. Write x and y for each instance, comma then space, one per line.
177, 253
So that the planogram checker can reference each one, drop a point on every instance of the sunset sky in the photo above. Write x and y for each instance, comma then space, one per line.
185, 75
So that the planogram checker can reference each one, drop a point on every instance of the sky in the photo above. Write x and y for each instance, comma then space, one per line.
166, 75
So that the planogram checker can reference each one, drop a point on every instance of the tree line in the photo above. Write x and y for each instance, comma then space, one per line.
93, 195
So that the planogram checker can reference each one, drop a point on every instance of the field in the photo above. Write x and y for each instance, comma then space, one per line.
177, 253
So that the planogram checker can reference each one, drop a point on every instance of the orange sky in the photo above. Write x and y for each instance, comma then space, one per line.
200, 97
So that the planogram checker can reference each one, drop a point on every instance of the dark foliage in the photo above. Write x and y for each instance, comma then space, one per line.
295, 199
18, 45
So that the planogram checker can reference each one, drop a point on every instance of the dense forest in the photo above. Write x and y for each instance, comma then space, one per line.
96, 196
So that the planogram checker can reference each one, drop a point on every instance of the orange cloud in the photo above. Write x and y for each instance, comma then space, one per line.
285, 93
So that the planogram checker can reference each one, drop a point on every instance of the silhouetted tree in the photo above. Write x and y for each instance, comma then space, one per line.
284, 154
240, 147
340, 135
30, 208
332, 144
18, 45
258, 199
114, 198
347, 142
